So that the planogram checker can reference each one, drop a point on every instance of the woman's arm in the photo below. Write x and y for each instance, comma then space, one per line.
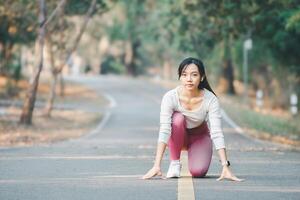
226, 172
161, 147
218, 139
166, 111
155, 170
222, 155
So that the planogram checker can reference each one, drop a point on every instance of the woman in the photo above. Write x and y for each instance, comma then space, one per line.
183, 115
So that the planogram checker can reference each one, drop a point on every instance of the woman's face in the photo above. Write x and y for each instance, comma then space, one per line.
190, 77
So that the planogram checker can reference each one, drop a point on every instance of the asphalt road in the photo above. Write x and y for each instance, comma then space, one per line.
108, 162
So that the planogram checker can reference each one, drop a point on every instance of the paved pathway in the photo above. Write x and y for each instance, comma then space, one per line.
108, 162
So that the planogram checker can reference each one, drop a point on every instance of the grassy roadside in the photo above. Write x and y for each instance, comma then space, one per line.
276, 127
63, 123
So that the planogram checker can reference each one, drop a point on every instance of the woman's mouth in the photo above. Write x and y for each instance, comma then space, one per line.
189, 85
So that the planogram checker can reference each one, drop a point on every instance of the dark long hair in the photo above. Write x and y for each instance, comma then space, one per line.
203, 84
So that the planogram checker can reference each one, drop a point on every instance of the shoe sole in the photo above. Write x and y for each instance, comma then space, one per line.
173, 176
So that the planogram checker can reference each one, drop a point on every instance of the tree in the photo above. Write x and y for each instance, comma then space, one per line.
28, 107
17, 19
129, 29
66, 53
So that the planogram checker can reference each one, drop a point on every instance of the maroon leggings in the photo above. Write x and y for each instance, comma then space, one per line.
196, 141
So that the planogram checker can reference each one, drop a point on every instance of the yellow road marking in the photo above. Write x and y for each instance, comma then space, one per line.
185, 182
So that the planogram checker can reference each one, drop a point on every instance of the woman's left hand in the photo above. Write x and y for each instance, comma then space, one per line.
227, 174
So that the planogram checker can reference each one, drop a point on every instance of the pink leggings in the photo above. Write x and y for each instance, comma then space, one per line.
196, 141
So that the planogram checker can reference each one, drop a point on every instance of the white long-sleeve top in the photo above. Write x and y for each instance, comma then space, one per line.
209, 110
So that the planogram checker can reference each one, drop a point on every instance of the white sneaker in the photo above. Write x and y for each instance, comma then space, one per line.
174, 169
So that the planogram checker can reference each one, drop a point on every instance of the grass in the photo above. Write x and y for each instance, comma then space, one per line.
267, 125
63, 123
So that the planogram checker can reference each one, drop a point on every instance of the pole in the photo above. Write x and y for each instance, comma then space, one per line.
245, 74
247, 46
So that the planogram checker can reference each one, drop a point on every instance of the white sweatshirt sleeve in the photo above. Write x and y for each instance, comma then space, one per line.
166, 111
214, 118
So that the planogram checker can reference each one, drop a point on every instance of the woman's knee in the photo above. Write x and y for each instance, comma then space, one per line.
198, 171
178, 119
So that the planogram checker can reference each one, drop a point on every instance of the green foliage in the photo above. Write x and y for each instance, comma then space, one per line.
293, 20
15, 68
17, 26
18, 21
75, 7
275, 25
173, 29
112, 66
259, 56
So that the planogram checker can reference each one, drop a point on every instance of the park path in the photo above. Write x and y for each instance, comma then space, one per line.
108, 162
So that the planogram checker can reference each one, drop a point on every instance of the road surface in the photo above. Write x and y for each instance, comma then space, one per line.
108, 162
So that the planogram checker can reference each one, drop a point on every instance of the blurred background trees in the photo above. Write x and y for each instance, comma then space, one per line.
143, 37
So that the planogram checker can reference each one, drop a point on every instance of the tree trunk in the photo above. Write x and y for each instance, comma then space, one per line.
128, 57
54, 73
131, 50
61, 85
26, 115
227, 77
6, 56
52, 92
57, 71
136, 44
87, 18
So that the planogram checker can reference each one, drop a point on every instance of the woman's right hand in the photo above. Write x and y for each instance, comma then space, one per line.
154, 171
